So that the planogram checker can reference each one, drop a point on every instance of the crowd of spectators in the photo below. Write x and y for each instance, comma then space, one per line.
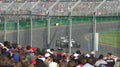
26, 56
36, 0
52, 0
86, 7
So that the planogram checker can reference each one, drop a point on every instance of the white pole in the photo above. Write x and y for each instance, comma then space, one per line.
31, 28
48, 20
5, 28
70, 25
94, 22
6, 10
18, 31
70, 32
94, 31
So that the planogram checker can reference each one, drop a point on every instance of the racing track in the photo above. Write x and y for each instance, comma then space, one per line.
79, 31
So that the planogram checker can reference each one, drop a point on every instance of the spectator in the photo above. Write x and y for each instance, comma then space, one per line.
81, 60
110, 60
23, 57
52, 51
63, 65
53, 62
89, 63
40, 63
92, 56
100, 61
71, 63
16, 56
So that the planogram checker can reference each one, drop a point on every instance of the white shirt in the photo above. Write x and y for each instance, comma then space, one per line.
100, 62
52, 64
88, 65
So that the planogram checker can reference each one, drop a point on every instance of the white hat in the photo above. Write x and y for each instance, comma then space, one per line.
43, 59
48, 50
47, 54
76, 55
92, 52
1, 44
6, 48
87, 55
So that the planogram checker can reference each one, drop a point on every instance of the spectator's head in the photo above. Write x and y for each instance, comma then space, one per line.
58, 53
100, 56
87, 55
71, 63
76, 56
90, 61
83, 61
48, 58
78, 52
15, 45
28, 47
6, 43
47, 55
80, 59
63, 65
92, 54
109, 55
52, 50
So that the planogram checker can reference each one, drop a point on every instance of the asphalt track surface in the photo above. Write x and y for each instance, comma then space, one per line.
79, 33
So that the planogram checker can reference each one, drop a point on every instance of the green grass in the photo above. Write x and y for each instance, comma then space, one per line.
110, 38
